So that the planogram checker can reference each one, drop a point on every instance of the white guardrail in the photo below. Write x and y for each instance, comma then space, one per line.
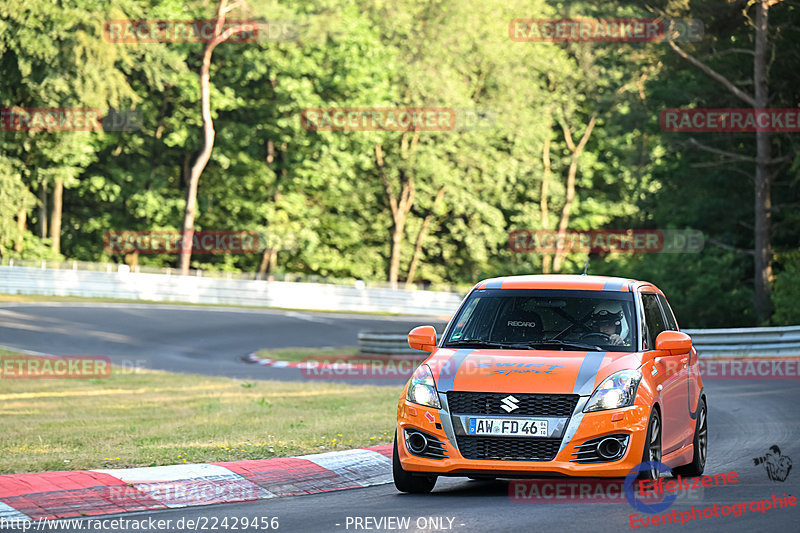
192, 289
734, 342
747, 342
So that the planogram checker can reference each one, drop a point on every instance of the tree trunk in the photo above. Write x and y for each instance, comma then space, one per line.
43, 211
399, 206
268, 259
570, 196
412, 268
397, 244
132, 259
22, 224
763, 200
544, 209
55, 219
208, 138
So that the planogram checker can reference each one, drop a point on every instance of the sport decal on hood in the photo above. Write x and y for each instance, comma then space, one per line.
532, 371
507, 369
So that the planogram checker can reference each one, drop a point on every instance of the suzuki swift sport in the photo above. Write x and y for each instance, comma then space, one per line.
552, 375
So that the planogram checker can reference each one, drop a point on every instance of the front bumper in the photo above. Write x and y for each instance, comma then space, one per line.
631, 421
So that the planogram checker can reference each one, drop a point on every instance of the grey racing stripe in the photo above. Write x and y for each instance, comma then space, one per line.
448, 372
447, 422
584, 386
614, 285
494, 284
584, 383
574, 422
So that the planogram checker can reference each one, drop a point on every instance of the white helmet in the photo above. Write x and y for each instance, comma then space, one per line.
609, 312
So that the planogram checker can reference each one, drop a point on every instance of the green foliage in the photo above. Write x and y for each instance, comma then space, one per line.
317, 197
786, 291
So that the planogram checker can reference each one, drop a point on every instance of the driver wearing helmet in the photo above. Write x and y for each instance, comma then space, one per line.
607, 319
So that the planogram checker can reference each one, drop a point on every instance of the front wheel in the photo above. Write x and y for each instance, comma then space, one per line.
652, 447
698, 464
406, 481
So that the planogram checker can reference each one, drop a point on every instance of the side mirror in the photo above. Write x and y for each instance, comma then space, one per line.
674, 342
422, 338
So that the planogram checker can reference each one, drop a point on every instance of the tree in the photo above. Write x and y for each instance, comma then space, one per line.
208, 130
762, 160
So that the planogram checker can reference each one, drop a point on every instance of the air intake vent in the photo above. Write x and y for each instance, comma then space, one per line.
508, 449
601, 449
424, 444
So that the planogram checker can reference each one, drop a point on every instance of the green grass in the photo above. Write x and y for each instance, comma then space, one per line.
151, 418
301, 354
327, 355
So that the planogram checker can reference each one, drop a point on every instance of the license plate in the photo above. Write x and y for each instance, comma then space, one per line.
515, 427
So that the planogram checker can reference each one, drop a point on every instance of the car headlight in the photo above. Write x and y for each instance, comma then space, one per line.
617, 390
422, 388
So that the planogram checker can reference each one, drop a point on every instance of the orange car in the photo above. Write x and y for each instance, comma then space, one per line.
552, 375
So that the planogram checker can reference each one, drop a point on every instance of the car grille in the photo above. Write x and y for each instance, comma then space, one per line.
508, 449
489, 403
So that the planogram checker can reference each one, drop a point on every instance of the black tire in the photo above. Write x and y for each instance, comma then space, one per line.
698, 464
406, 481
652, 446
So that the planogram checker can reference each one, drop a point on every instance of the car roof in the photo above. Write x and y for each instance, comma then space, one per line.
568, 282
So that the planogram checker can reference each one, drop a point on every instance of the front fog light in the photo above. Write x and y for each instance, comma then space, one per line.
422, 388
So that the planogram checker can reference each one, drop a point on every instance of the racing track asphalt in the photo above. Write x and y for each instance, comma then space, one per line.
745, 419
194, 339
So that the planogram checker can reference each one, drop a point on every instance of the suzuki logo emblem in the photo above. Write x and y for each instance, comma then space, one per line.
509, 404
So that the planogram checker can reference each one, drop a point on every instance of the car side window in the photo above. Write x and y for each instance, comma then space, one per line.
672, 325
654, 320
458, 329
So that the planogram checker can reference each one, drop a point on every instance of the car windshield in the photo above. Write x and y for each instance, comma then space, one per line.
545, 319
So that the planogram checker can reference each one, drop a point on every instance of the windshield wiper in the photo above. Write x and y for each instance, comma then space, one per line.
563, 344
487, 344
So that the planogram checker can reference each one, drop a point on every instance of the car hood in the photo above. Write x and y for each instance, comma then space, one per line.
526, 371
